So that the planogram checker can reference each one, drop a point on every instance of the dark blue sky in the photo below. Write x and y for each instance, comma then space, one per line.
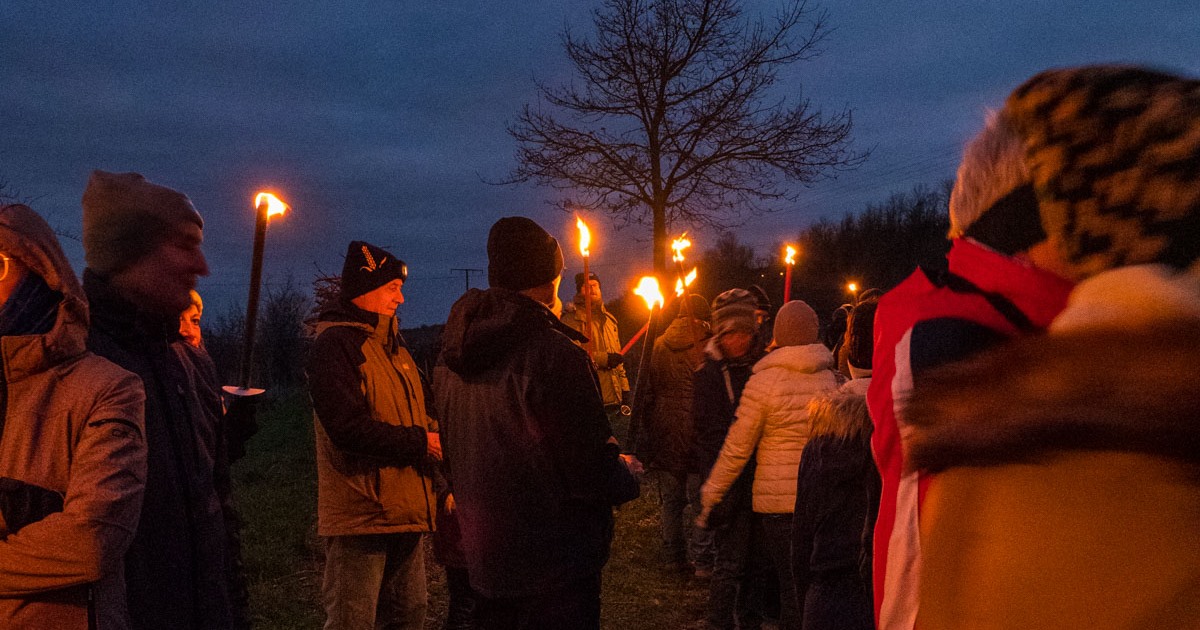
379, 120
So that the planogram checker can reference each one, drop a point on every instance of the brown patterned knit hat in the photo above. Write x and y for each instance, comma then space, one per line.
1115, 156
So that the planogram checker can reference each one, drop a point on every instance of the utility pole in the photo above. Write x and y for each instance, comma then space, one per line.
467, 276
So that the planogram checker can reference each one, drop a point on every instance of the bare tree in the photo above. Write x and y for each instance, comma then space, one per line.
673, 117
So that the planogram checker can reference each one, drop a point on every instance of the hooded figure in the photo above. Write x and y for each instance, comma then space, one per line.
534, 470
1068, 492
73, 453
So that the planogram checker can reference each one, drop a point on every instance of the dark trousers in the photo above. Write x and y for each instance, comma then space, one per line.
739, 570
575, 606
460, 614
777, 540
836, 600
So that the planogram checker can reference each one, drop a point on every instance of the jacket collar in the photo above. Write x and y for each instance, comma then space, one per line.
120, 318
1039, 294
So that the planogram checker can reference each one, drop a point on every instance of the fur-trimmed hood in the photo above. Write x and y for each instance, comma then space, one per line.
1128, 389
842, 414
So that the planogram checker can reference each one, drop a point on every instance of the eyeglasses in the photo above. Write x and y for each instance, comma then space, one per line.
4, 274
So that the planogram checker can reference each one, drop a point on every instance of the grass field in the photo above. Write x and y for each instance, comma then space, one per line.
276, 495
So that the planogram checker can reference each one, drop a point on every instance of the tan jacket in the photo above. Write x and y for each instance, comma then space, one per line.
73, 424
612, 382
373, 475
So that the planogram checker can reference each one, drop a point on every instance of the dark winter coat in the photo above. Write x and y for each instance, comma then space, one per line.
370, 423
183, 568
665, 435
525, 439
713, 407
837, 500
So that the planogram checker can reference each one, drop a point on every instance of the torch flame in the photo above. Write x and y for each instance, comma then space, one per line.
791, 255
274, 205
685, 282
648, 289
852, 287
585, 237
678, 245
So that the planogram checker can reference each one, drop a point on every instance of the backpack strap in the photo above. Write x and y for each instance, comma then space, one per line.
1003, 305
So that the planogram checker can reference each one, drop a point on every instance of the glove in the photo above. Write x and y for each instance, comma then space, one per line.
614, 359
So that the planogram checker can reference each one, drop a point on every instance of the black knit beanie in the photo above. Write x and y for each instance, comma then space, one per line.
521, 255
367, 268
579, 280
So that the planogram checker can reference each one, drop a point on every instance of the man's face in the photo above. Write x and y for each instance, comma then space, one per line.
383, 300
735, 344
161, 281
592, 286
189, 326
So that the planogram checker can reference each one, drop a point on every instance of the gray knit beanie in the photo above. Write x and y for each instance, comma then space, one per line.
125, 217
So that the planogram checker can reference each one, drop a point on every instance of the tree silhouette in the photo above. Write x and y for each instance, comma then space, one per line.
673, 118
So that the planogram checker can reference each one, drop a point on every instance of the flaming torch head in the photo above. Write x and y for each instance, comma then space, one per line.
678, 245
852, 287
682, 283
275, 207
585, 237
790, 258
648, 290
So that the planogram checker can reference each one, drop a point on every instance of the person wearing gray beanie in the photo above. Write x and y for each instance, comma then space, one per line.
142, 244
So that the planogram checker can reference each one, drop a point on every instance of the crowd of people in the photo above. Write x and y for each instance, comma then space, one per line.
1008, 440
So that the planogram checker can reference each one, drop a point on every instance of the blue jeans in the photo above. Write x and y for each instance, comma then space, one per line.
374, 581
677, 490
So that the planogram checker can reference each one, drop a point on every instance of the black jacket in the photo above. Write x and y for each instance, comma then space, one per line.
712, 407
183, 568
525, 441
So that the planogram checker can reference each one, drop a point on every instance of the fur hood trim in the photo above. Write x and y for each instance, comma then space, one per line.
841, 414
1123, 389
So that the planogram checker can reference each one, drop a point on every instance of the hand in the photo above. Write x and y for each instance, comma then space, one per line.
450, 503
702, 518
433, 445
635, 467
614, 359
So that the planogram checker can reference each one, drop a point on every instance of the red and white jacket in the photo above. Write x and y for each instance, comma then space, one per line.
923, 323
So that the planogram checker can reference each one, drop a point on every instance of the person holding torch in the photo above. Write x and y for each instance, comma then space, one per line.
141, 242
604, 347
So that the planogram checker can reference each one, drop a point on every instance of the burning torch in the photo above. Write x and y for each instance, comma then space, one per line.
266, 206
790, 260
681, 284
585, 242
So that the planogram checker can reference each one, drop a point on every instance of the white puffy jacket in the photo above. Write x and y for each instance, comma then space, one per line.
773, 418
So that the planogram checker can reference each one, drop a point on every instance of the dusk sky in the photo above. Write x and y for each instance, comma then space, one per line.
381, 120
